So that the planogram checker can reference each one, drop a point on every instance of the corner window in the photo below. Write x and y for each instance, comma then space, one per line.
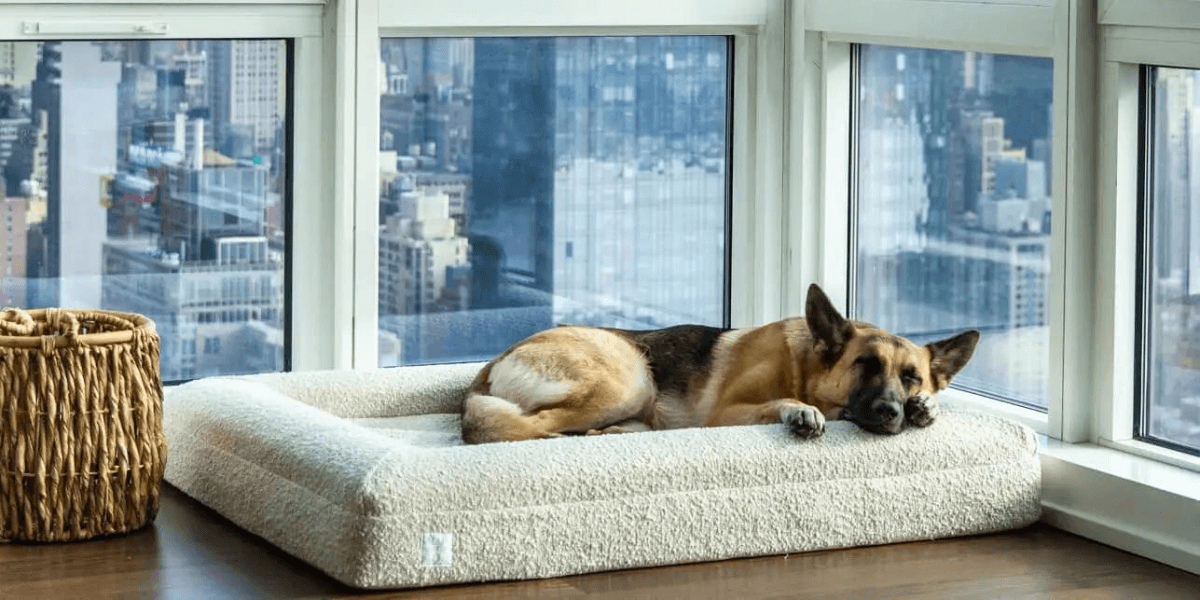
1169, 271
951, 207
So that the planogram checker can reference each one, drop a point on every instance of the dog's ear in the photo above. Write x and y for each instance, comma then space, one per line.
825, 322
947, 357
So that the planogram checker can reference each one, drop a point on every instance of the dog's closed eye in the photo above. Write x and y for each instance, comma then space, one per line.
911, 377
869, 363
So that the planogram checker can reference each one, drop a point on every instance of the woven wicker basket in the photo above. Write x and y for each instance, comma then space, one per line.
82, 449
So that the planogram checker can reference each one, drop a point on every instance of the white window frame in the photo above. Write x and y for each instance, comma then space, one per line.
1018, 27
759, 31
315, 324
1132, 34
1096, 481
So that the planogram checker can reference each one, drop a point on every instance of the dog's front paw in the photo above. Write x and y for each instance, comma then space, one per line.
804, 421
921, 410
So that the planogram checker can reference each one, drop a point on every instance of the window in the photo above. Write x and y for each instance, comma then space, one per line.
952, 212
139, 161
533, 181
1170, 269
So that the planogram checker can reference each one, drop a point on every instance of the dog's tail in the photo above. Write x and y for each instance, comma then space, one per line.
493, 419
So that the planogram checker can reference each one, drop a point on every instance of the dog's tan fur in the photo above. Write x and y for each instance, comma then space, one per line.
603, 381
801, 372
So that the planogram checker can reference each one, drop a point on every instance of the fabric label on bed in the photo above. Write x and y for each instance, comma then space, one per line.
437, 550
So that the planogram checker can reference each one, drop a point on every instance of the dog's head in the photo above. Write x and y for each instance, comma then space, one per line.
871, 373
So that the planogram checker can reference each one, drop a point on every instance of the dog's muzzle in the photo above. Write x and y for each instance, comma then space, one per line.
877, 413
884, 416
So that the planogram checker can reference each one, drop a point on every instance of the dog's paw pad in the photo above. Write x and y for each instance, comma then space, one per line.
921, 410
804, 421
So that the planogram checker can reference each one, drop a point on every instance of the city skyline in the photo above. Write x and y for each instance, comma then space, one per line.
534, 181
149, 178
587, 176
954, 211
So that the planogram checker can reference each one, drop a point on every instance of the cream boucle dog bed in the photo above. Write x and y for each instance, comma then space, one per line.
362, 474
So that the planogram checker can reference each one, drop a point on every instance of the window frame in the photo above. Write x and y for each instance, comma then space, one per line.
1147, 238
1055, 30
1129, 44
306, 301
758, 117
1090, 474
1167, 14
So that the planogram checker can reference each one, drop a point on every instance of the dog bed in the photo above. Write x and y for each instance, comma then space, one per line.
362, 474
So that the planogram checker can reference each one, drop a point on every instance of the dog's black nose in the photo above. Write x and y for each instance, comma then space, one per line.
887, 411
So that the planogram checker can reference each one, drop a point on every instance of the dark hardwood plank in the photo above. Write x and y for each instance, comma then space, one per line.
191, 552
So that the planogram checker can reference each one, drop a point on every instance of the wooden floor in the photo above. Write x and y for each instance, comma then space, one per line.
191, 552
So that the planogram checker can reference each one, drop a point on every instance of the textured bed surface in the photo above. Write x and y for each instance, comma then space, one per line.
362, 474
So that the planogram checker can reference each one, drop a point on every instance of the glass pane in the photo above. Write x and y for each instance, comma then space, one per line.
953, 208
149, 177
1171, 277
528, 182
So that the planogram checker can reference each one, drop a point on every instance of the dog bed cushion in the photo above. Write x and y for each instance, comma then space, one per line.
362, 474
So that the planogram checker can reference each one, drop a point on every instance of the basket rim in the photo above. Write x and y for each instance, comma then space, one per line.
139, 321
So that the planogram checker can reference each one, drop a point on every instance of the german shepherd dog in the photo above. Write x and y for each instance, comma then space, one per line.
574, 380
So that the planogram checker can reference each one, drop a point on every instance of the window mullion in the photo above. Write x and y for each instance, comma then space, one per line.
1117, 253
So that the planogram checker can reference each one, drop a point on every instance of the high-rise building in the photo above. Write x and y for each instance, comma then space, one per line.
218, 316
513, 161
424, 273
1020, 178
195, 76
893, 178
588, 173
245, 94
170, 94
87, 158
8, 62
979, 256
1019, 86
12, 251
640, 180
209, 277
10, 137
419, 252
193, 247
1008, 290
18, 61
27, 170
1176, 184
136, 192
1175, 94
211, 197
76, 90
43, 252
426, 112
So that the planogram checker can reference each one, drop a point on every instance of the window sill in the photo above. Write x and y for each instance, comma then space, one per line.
954, 399
1131, 502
